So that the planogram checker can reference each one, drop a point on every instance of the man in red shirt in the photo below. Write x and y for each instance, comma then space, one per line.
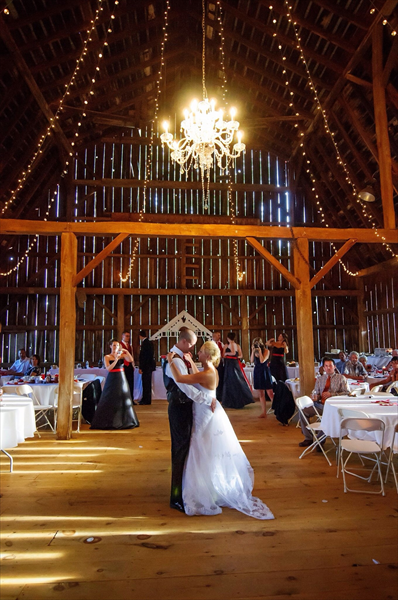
216, 340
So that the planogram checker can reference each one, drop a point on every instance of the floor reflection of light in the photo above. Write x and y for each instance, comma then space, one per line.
13, 555
33, 580
4, 517
54, 449
57, 455
51, 462
246, 441
18, 472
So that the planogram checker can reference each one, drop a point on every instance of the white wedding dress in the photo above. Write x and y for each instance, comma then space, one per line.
217, 472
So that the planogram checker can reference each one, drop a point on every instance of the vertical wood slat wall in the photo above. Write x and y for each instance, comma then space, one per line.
31, 321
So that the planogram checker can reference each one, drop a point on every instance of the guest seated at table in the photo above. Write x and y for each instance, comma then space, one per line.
362, 360
392, 376
327, 385
20, 366
341, 363
389, 366
34, 369
354, 369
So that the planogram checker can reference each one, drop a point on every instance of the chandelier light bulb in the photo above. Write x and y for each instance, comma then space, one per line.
232, 112
166, 126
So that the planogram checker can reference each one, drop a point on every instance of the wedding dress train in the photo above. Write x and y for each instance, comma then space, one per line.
217, 472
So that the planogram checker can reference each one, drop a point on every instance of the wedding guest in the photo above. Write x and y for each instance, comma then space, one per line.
354, 369
34, 369
277, 364
217, 340
21, 365
235, 392
341, 363
362, 360
327, 385
392, 376
128, 366
262, 379
115, 408
220, 366
147, 366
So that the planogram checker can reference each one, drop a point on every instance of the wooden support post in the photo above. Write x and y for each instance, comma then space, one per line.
381, 124
67, 327
120, 316
244, 328
305, 331
363, 342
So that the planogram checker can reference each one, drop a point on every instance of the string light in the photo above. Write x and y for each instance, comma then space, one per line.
385, 21
148, 168
222, 50
43, 138
79, 62
340, 159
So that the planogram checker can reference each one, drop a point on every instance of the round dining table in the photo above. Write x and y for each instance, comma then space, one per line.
26, 425
380, 407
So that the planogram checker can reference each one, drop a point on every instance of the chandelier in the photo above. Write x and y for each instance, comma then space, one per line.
206, 135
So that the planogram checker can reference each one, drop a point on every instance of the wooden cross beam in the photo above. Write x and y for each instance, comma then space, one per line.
99, 258
274, 262
331, 262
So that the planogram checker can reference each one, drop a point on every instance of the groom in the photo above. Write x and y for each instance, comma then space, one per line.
180, 397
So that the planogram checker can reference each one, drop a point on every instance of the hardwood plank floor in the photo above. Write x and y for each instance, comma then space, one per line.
89, 519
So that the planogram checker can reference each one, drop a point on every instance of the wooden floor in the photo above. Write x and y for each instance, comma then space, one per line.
89, 519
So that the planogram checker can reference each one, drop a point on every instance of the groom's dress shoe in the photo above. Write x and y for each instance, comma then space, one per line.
177, 506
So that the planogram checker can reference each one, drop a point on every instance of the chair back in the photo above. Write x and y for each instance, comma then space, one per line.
304, 402
23, 390
345, 413
376, 388
355, 424
393, 385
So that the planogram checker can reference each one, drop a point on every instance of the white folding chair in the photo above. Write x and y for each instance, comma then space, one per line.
41, 410
391, 457
393, 385
376, 388
361, 448
345, 413
77, 391
314, 428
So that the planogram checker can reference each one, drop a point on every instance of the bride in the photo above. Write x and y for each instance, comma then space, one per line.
217, 472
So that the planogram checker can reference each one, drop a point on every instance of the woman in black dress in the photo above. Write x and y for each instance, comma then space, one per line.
262, 379
115, 408
236, 392
279, 349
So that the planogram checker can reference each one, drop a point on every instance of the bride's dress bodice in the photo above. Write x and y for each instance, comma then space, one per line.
217, 472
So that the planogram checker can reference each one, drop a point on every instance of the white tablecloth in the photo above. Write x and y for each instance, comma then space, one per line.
26, 426
44, 392
8, 428
378, 361
330, 423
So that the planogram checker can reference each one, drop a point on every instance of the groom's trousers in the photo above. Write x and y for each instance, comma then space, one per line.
180, 419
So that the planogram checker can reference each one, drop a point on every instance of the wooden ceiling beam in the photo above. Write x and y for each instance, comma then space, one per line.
362, 22
312, 28
290, 277
158, 230
9, 41
98, 258
331, 262
389, 265
381, 125
282, 38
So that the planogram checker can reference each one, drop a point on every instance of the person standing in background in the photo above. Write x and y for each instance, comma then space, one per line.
147, 365
128, 366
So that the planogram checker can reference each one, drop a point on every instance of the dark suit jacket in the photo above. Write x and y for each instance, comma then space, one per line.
147, 359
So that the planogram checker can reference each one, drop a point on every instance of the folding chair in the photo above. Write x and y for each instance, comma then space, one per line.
393, 385
77, 391
345, 413
391, 457
314, 428
41, 410
376, 388
361, 448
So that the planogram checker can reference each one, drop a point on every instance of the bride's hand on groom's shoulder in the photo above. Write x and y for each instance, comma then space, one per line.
213, 404
170, 356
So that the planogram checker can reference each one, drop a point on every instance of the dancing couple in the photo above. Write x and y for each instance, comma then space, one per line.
209, 467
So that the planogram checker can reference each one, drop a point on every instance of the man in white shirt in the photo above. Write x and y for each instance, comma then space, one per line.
21, 365
180, 397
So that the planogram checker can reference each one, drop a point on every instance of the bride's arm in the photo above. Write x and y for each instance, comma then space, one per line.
198, 377
194, 368
188, 389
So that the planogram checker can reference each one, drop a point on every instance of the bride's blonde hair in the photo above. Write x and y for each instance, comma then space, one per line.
213, 352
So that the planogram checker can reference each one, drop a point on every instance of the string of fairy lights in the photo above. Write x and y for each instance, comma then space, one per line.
340, 158
232, 212
61, 107
148, 166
